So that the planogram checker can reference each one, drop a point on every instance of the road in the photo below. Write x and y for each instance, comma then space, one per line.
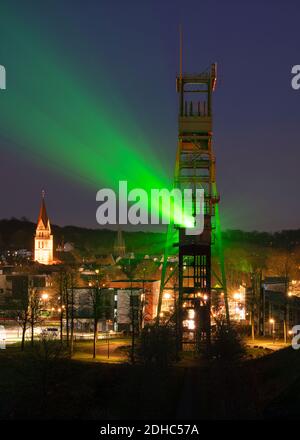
10, 335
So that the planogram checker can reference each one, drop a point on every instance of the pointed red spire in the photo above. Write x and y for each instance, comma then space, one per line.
43, 213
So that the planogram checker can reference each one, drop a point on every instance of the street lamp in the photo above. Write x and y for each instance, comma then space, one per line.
107, 334
272, 322
286, 322
44, 298
237, 298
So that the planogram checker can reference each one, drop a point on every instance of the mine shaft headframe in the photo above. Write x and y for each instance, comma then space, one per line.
187, 83
195, 168
208, 75
214, 76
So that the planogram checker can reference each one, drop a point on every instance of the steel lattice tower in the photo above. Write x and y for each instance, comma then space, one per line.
195, 169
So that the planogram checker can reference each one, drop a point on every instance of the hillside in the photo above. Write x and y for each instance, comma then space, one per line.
18, 233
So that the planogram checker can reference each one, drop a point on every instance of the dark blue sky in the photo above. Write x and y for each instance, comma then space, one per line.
256, 112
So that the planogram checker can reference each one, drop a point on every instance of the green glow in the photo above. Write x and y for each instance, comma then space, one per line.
220, 251
51, 115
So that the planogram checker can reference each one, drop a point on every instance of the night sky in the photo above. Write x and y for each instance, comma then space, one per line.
91, 84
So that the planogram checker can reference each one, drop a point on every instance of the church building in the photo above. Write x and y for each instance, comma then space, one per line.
43, 240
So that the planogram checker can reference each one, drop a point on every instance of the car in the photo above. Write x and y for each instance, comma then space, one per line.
50, 331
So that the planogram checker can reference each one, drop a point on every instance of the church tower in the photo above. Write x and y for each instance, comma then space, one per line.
43, 240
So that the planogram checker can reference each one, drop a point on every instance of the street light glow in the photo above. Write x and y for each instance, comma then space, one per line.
191, 324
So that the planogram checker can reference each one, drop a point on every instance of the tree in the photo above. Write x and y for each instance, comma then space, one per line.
129, 267
95, 296
283, 264
157, 346
71, 302
35, 309
59, 288
65, 283
227, 344
44, 356
257, 264
145, 269
244, 265
29, 310
22, 315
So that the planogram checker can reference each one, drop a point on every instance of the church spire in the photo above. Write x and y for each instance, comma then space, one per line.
43, 213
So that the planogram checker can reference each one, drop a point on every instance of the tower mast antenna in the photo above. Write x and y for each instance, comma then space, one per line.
180, 53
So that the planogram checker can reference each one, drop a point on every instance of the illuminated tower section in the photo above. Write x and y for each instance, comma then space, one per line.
43, 240
195, 169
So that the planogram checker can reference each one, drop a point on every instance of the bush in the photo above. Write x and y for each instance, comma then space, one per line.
227, 344
157, 346
44, 358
